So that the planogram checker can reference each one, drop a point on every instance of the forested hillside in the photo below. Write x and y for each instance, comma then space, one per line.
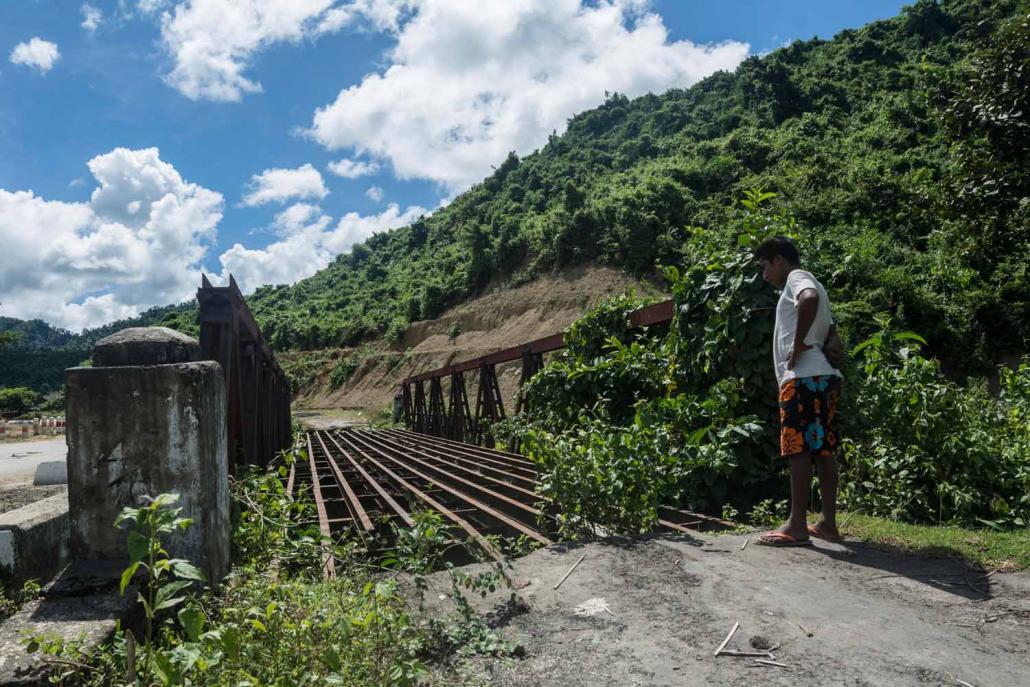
900, 149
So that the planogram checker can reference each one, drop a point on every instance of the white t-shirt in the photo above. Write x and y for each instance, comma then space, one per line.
812, 362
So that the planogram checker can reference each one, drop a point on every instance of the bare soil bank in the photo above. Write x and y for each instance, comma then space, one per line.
842, 615
489, 323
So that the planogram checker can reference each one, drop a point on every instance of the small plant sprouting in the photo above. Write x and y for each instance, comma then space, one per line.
167, 579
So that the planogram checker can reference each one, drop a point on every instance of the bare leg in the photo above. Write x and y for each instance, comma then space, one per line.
826, 468
800, 482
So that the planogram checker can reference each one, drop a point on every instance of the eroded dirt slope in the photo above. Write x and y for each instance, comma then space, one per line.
489, 323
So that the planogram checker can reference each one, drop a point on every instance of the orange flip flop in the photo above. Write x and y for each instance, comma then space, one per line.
782, 539
816, 532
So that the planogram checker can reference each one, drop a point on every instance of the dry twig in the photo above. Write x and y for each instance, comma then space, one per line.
727, 640
574, 566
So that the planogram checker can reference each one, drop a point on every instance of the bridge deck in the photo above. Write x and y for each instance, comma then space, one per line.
365, 480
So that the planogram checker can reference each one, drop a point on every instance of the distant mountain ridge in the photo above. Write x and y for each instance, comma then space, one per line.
901, 149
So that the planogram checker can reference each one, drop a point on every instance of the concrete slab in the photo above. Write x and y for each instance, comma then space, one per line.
51, 472
34, 540
81, 605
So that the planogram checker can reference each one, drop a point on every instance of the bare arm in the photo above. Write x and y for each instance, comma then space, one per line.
808, 305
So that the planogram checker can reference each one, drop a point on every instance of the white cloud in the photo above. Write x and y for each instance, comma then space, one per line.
279, 185
138, 242
352, 169
300, 216
91, 17
308, 246
211, 42
375, 193
469, 82
37, 53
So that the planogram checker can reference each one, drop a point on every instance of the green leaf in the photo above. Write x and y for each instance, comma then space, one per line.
166, 598
192, 619
127, 575
138, 546
909, 336
186, 570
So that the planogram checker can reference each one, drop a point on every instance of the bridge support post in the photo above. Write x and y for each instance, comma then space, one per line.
406, 406
437, 412
420, 408
460, 424
489, 405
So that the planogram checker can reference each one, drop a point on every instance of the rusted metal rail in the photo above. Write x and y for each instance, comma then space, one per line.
363, 481
257, 389
427, 412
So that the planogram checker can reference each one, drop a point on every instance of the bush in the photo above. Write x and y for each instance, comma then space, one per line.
18, 399
624, 421
927, 450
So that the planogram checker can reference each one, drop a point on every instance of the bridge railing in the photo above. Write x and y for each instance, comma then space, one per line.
258, 390
455, 419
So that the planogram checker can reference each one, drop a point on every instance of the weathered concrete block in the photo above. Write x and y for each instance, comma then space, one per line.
34, 540
145, 346
51, 472
82, 605
141, 431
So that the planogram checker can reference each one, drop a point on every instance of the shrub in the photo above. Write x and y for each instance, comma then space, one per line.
18, 400
928, 450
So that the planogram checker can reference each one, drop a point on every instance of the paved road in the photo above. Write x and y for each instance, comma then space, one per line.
20, 458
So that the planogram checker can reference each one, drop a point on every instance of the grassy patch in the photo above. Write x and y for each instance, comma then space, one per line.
1006, 550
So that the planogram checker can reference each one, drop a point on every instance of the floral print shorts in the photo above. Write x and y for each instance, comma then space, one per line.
808, 413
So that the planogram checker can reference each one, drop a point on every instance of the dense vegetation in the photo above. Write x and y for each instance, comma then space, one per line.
901, 148
276, 619
625, 420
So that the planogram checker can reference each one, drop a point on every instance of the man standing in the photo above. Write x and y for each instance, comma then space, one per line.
804, 341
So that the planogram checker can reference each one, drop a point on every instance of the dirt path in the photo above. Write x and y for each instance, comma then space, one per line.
876, 618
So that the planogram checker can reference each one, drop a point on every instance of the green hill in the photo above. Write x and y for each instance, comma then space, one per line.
895, 146
900, 148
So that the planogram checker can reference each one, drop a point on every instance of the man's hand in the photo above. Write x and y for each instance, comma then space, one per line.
834, 348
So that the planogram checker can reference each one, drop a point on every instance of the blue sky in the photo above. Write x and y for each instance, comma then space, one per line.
426, 94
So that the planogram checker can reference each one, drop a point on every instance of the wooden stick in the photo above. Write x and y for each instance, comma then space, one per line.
727, 640
732, 652
806, 630
770, 663
744, 545
574, 566
963, 683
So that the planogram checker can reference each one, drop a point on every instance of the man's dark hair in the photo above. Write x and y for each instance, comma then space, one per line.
778, 245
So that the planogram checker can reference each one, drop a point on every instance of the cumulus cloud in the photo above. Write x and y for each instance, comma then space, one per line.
352, 169
91, 17
138, 242
308, 245
212, 42
279, 185
375, 193
468, 82
36, 53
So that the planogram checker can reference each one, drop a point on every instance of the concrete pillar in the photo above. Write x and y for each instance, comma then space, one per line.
141, 423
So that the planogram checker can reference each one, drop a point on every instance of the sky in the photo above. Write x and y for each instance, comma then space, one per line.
143, 142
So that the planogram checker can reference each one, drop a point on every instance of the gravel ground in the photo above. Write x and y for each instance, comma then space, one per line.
652, 612
18, 496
